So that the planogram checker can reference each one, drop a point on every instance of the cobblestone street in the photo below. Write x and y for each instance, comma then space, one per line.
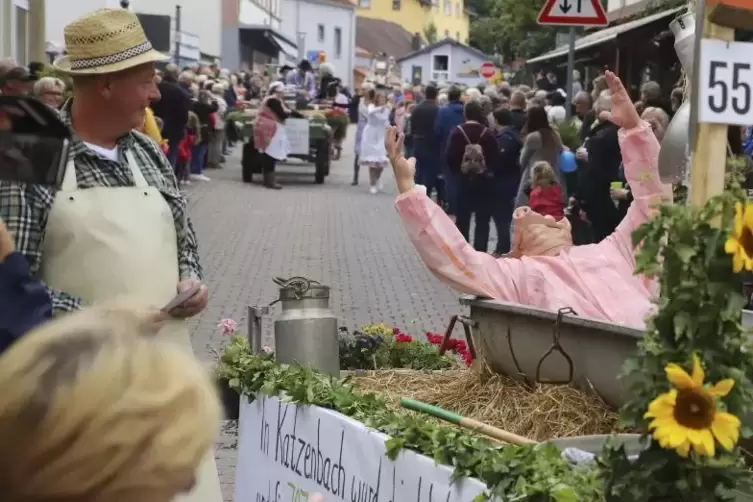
334, 233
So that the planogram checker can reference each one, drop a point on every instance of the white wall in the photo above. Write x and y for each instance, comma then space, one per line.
252, 13
202, 18
305, 16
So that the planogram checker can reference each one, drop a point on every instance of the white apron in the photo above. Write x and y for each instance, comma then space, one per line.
103, 243
279, 145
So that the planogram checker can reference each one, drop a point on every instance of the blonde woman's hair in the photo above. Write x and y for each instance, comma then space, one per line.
94, 408
47, 84
542, 175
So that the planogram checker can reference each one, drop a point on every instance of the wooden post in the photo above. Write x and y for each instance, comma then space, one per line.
709, 152
37, 32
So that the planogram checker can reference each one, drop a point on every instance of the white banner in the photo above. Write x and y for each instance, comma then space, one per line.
298, 135
286, 452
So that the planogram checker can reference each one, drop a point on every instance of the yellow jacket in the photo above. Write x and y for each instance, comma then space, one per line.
150, 127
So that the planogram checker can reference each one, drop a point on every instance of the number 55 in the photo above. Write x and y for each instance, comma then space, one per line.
740, 105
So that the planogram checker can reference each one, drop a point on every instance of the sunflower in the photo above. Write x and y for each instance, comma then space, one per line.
740, 243
687, 416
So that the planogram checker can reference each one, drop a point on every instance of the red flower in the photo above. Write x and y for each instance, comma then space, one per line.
395, 331
467, 358
434, 338
403, 338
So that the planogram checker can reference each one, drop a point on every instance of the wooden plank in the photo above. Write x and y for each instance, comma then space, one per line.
709, 155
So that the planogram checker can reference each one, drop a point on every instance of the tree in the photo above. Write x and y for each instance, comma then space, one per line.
509, 27
430, 32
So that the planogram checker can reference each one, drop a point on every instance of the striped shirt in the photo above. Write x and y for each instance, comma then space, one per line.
26, 207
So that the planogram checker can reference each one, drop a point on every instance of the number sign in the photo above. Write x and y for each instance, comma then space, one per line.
726, 77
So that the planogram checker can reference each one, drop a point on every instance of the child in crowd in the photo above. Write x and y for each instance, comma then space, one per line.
546, 194
190, 139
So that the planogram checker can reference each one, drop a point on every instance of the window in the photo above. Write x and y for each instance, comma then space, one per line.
457, 36
446, 33
435, 3
457, 10
447, 7
320, 32
22, 41
364, 4
395, 4
338, 43
440, 68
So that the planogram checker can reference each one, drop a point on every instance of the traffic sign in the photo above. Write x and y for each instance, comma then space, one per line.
487, 70
573, 13
725, 93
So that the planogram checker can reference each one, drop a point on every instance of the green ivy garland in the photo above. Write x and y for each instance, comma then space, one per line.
510, 472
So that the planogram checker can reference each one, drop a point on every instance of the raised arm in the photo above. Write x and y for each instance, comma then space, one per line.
640, 155
438, 241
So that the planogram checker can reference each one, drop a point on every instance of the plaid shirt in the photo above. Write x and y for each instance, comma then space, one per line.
25, 207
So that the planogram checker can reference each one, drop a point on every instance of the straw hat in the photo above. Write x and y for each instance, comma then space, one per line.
106, 41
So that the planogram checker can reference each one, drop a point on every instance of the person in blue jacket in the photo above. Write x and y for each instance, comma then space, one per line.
448, 118
24, 302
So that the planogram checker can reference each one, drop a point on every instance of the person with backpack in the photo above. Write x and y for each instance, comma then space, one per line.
507, 177
473, 159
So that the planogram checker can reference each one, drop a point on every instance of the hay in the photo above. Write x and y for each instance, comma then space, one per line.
540, 413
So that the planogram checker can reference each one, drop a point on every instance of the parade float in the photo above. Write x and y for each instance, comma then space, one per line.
315, 139
533, 418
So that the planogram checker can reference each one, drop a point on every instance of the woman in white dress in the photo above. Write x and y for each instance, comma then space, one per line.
372, 152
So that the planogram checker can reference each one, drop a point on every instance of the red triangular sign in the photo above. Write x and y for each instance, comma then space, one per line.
573, 13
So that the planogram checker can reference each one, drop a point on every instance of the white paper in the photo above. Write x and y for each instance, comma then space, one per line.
298, 135
725, 87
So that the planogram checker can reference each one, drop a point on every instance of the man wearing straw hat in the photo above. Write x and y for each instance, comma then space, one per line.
118, 225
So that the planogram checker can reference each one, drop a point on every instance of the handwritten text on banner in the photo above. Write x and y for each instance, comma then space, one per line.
286, 452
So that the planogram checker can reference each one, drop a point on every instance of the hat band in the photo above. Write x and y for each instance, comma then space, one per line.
85, 64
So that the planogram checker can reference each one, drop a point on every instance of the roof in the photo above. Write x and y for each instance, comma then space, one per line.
604, 36
361, 52
377, 35
440, 43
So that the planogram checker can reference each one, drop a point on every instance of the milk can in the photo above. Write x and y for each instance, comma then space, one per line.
683, 29
306, 331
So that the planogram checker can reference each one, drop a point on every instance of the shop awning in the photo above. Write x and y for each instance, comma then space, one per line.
603, 36
267, 40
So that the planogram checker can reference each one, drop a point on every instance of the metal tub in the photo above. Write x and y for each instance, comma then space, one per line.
525, 342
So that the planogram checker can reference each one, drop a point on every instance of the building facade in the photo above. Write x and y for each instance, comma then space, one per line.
15, 31
200, 36
444, 62
251, 35
323, 26
446, 18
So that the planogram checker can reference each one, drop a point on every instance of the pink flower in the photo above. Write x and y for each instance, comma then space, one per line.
228, 326
267, 349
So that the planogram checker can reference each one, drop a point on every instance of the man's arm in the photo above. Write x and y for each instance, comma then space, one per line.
188, 249
24, 208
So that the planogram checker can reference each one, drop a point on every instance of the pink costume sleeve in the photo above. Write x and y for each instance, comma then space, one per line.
640, 156
447, 254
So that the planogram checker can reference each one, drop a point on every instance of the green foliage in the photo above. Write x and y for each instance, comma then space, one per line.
430, 32
698, 312
375, 348
511, 473
509, 27
569, 134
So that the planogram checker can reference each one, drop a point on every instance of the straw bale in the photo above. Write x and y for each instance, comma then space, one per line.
542, 412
